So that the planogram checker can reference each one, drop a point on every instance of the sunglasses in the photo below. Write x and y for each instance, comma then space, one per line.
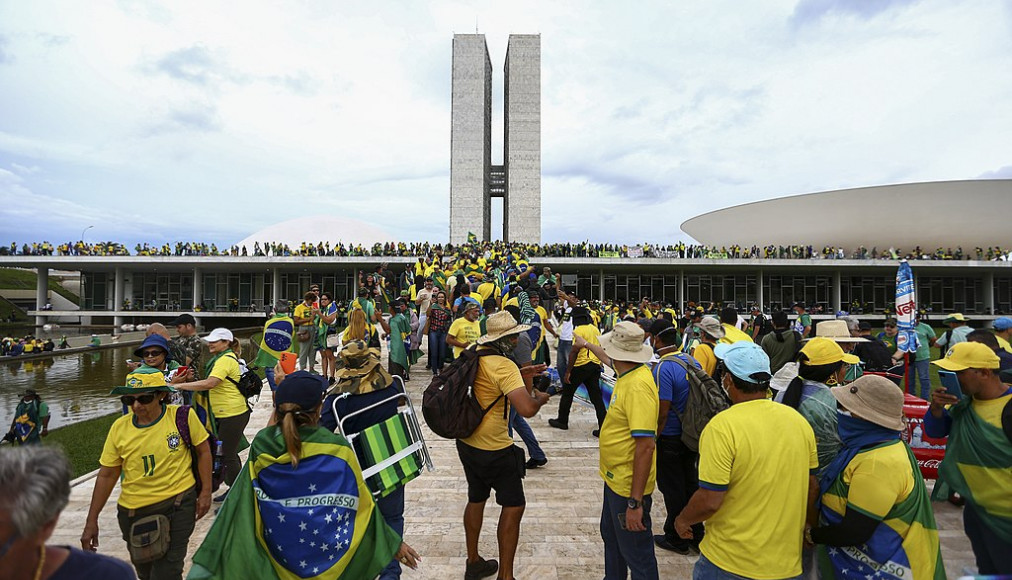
128, 400
150, 353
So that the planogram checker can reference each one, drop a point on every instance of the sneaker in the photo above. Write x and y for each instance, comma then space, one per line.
662, 542
558, 424
220, 498
596, 433
536, 463
481, 569
331, 380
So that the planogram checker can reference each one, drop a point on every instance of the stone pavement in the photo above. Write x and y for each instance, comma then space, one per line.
560, 539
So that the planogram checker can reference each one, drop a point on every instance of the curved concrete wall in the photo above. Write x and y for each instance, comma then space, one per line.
942, 213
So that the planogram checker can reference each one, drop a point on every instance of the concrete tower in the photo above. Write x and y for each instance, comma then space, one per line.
473, 178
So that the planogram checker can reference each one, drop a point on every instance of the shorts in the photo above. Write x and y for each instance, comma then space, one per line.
501, 470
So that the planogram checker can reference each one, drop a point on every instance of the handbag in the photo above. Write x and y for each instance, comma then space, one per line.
148, 539
302, 335
333, 340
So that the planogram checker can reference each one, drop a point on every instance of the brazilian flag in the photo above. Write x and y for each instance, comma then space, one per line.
315, 521
471, 238
277, 336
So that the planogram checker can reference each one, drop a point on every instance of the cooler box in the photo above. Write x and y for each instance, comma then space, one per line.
928, 451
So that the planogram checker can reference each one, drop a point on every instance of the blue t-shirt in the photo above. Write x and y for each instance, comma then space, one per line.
81, 565
673, 385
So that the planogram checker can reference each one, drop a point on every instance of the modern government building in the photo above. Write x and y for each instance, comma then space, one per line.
954, 214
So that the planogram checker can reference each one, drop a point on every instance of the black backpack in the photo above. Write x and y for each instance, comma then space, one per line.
249, 384
448, 403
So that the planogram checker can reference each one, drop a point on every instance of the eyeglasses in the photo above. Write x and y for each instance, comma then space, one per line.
151, 353
128, 400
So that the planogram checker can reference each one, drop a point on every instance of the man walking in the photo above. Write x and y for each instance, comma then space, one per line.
958, 329
627, 454
488, 455
755, 488
978, 454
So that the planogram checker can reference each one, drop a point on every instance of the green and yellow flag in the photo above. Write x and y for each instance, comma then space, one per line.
315, 521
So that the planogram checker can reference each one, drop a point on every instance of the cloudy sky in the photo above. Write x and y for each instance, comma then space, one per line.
204, 120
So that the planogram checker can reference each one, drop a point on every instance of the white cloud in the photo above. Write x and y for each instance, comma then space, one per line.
651, 113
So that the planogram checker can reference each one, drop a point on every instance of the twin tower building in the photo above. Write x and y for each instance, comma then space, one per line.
474, 180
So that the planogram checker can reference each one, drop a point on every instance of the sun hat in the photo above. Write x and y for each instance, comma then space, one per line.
154, 340
142, 380
712, 326
359, 369
873, 398
499, 325
745, 360
219, 334
625, 343
955, 317
823, 351
301, 388
835, 330
1003, 323
968, 355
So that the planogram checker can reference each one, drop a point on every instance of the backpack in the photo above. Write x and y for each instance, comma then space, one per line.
706, 399
448, 403
249, 384
218, 470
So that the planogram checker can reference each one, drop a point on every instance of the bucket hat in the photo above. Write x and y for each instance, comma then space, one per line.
875, 399
625, 343
835, 330
712, 326
823, 351
359, 370
154, 340
499, 325
142, 380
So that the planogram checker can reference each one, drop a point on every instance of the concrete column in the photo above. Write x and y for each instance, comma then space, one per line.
681, 290
117, 299
600, 289
988, 288
760, 298
276, 285
836, 297
198, 287
41, 294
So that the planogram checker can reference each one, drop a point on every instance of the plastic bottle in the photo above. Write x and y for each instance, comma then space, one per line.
217, 457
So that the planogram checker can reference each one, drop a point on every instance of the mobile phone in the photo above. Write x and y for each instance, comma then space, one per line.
951, 383
182, 370
621, 520
130, 361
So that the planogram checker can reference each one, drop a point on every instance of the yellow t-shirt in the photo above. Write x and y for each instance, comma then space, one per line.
703, 353
226, 400
154, 459
303, 311
512, 302
544, 317
757, 445
732, 334
496, 375
1004, 344
632, 414
990, 411
591, 334
487, 290
464, 331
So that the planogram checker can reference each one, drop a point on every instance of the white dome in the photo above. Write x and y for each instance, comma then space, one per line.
315, 229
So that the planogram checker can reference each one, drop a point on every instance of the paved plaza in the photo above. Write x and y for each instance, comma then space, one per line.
559, 536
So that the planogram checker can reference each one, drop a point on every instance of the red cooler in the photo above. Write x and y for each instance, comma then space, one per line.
927, 450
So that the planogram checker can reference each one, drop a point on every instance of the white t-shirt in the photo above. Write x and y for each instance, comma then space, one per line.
566, 330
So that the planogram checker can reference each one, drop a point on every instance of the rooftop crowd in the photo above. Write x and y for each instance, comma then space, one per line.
567, 250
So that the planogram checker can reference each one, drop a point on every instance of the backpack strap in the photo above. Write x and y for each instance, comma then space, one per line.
183, 424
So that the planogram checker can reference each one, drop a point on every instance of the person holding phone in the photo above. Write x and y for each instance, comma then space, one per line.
979, 427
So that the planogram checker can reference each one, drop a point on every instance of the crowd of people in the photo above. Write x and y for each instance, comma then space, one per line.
28, 344
585, 249
775, 443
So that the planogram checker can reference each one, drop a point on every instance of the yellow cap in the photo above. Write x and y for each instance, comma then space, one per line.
969, 355
823, 351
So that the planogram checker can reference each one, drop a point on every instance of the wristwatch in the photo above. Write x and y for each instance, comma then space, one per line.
633, 504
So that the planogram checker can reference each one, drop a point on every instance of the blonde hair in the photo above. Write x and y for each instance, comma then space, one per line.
290, 417
356, 325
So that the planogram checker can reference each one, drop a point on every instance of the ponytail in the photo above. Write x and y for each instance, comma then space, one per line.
290, 417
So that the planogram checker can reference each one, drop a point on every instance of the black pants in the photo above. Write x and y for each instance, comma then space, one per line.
677, 480
992, 555
588, 375
181, 523
230, 432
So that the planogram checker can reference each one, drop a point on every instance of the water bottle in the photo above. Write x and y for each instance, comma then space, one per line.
217, 458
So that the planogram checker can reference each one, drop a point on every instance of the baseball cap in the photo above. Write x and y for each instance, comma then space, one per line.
301, 388
745, 360
969, 355
219, 334
1003, 323
955, 317
824, 351
659, 325
182, 319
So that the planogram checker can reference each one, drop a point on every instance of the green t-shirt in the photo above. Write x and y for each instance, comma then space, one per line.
924, 335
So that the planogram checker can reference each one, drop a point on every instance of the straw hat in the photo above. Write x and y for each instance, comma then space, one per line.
359, 370
625, 343
835, 330
875, 399
499, 325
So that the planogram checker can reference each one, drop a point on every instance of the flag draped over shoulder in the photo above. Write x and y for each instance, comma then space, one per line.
906, 309
315, 521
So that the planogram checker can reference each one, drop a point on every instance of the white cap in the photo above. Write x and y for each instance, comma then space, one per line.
219, 334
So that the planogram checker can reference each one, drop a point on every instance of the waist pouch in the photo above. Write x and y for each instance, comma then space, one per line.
149, 538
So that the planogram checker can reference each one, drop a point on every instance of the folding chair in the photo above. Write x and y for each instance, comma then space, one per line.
393, 451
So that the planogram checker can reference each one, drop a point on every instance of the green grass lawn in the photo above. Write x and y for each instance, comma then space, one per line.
82, 442
20, 279
6, 308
